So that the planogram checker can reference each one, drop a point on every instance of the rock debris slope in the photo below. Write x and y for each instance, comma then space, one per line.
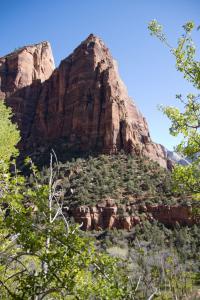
83, 101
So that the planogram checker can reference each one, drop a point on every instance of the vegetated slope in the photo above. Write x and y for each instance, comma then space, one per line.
88, 181
119, 191
156, 257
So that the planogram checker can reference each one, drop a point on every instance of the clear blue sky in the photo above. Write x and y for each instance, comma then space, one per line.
145, 65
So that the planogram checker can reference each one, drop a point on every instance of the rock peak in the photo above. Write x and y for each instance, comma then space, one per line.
24, 66
91, 36
17, 50
83, 102
92, 40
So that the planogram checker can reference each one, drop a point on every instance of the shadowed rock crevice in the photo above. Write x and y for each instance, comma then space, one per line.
121, 134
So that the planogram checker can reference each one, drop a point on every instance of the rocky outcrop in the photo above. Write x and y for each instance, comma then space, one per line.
21, 76
108, 215
24, 66
171, 215
83, 101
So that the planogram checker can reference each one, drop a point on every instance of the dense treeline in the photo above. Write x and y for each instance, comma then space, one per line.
120, 177
159, 258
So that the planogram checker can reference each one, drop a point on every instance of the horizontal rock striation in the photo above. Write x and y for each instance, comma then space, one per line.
83, 101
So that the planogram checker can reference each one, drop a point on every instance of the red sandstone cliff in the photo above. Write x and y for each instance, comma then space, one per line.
24, 66
21, 76
83, 101
109, 215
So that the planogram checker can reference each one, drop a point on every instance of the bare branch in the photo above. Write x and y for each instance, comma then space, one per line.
152, 295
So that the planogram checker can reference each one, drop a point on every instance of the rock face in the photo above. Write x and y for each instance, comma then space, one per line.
21, 76
24, 66
177, 158
109, 215
83, 101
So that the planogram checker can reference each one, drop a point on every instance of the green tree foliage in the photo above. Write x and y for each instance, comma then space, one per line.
120, 177
42, 256
186, 122
9, 135
162, 262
